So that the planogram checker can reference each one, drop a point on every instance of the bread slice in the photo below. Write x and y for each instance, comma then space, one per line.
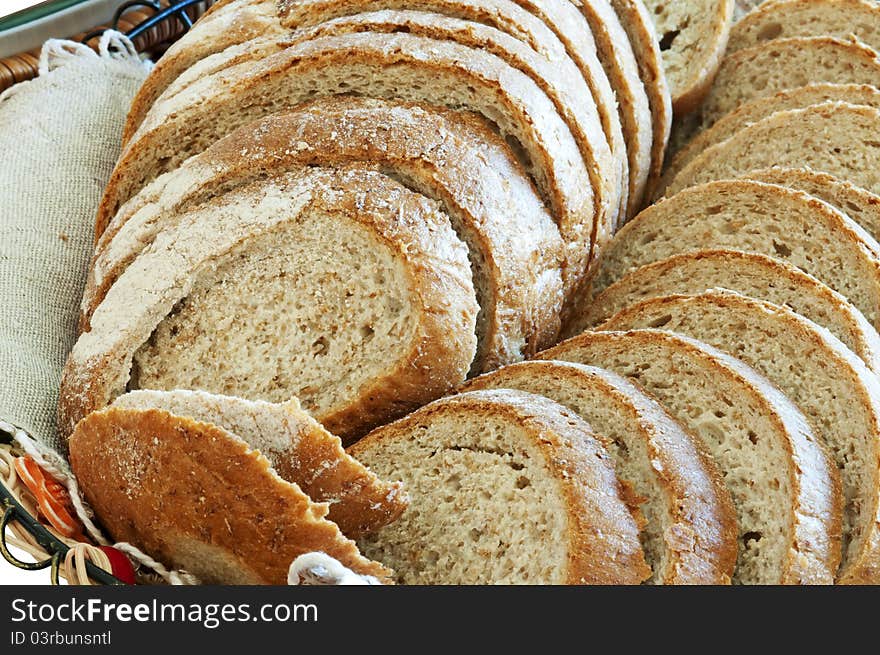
753, 217
298, 448
782, 19
832, 386
833, 137
341, 288
507, 488
690, 531
559, 79
757, 276
784, 489
452, 157
399, 66
693, 37
197, 497
619, 60
639, 26
766, 69
756, 110
234, 23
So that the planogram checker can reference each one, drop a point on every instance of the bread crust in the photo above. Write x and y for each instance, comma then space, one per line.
452, 156
223, 25
751, 112
298, 448
553, 150
601, 532
860, 565
700, 537
815, 519
436, 358
181, 489
639, 27
814, 296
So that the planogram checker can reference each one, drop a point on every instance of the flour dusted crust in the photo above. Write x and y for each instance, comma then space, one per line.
601, 538
697, 528
453, 157
560, 80
851, 435
553, 28
814, 512
786, 139
756, 110
298, 448
436, 349
384, 63
224, 25
636, 20
194, 496
750, 274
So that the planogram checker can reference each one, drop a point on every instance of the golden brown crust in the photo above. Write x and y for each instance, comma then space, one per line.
434, 360
192, 495
170, 135
700, 533
639, 26
815, 520
299, 449
860, 564
603, 544
452, 156
220, 27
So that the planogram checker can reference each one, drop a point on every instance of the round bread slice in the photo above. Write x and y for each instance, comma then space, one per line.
452, 157
783, 19
197, 497
339, 287
766, 69
639, 26
753, 217
507, 488
833, 387
756, 110
397, 66
859, 204
298, 448
690, 532
832, 137
559, 79
693, 37
221, 27
785, 491
757, 276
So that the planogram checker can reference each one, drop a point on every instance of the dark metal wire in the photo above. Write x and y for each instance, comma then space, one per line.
176, 10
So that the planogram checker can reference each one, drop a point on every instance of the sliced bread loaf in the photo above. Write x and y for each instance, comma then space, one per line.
452, 157
766, 69
757, 276
174, 487
639, 26
756, 110
228, 25
298, 448
690, 532
753, 217
785, 491
560, 79
693, 37
833, 387
507, 487
836, 138
341, 288
782, 19
398, 66
859, 204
